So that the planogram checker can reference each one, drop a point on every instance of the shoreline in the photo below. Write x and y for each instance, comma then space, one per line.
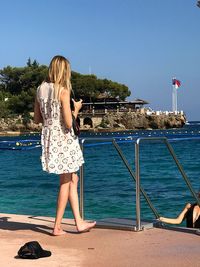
104, 130
16, 133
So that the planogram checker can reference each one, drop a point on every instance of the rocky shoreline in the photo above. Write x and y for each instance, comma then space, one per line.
135, 121
111, 122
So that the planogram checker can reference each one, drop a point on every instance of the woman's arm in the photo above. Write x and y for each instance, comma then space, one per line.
66, 110
37, 114
180, 217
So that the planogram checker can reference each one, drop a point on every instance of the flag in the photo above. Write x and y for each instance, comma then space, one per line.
176, 83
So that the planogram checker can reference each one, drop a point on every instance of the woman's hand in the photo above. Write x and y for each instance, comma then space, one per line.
77, 106
188, 206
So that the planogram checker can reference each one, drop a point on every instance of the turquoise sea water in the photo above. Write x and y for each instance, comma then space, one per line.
109, 190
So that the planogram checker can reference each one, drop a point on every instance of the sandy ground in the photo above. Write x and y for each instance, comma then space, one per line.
100, 247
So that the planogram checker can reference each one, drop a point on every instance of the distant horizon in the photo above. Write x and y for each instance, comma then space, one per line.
142, 44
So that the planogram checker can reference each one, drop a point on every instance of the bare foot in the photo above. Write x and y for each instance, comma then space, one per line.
57, 232
84, 226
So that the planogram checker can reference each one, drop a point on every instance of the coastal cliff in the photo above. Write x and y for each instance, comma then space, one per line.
110, 122
131, 121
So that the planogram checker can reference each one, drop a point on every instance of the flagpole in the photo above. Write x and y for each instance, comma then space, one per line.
176, 108
173, 96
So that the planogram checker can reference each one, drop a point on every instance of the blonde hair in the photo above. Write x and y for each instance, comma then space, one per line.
60, 74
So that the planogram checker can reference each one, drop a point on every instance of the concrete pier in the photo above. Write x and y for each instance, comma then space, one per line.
99, 247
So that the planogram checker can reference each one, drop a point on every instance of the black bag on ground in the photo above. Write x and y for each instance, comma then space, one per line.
33, 250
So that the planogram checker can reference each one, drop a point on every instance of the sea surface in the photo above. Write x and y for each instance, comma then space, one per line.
109, 189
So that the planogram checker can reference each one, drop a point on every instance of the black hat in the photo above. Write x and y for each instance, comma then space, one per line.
33, 250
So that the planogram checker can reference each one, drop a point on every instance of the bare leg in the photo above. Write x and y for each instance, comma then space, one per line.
63, 196
73, 197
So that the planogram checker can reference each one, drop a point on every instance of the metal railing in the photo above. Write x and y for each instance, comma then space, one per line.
136, 175
137, 167
127, 165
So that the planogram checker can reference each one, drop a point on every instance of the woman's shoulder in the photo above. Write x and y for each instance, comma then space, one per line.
46, 84
190, 210
45, 90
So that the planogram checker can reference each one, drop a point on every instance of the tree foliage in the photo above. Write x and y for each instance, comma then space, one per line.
18, 85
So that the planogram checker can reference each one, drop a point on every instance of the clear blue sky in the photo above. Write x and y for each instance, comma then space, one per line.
141, 43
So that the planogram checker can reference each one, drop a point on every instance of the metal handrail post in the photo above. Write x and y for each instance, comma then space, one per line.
137, 171
134, 178
82, 184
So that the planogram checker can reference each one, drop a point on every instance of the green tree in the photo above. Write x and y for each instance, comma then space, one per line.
20, 83
88, 87
15, 80
4, 104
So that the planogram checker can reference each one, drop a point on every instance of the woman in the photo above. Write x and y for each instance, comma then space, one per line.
191, 213
61, 153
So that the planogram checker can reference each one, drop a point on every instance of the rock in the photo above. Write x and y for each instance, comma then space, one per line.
16, 124
137, 120
86, 126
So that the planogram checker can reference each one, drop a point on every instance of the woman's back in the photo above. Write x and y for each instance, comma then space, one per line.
50, 107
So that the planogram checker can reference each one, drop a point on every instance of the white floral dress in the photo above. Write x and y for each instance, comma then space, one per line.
61, 152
